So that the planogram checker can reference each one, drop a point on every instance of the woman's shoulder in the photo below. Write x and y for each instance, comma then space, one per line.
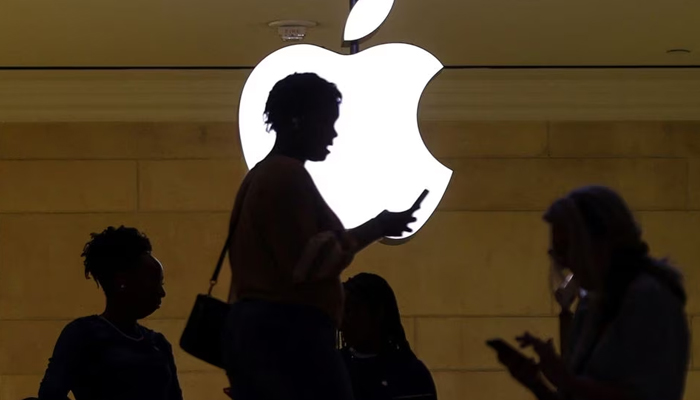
156, 338
83, 325
278, 162
97, 327
418, 366
411, 364
279, 175
649, 287
279, 168
645, 283
80, 332
650, 298
414, 373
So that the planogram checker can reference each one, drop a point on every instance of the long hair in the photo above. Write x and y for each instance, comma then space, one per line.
376, 292
597, 213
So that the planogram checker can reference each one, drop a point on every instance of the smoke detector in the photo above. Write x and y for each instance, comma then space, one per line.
292, 30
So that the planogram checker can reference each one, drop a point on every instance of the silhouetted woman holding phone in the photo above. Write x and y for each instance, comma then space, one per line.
287, 252
629, 338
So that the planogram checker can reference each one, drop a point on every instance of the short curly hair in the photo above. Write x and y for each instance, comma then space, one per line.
297, 96
111, 251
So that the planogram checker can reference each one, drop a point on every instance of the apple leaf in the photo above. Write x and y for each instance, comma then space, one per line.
365, 17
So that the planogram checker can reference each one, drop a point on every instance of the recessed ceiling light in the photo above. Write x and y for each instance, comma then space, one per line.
678, 51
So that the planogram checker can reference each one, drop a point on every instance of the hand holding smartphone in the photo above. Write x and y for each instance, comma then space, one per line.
394, 224
520, 367
419, 201
507, 354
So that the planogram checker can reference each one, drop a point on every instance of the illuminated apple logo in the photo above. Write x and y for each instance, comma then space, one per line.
379, 160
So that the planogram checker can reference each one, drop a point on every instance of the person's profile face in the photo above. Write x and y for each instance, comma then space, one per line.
559, 251
319, 131
143, 288
558, 247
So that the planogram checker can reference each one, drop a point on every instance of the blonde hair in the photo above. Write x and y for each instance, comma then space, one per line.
565, 214
598, 214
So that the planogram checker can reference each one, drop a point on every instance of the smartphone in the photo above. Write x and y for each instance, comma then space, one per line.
418, 202
504, 349
567, 292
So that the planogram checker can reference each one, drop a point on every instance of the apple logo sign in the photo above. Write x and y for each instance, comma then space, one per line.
379, 160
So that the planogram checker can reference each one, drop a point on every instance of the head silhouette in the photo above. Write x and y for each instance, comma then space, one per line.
302, 110
120, 261
589, 227
372, 323
594, 234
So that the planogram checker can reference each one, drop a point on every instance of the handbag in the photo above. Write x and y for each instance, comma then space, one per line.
203, 334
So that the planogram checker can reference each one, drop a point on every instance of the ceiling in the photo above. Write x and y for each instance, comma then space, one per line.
218, 33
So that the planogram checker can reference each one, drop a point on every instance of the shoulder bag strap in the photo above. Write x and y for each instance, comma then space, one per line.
219, 264
236, 213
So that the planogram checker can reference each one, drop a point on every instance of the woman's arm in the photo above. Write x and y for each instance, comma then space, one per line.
555, 371
591, 389
297, 229
300, 233
566, 318
542, 392
174, 391
526, 372
364, 235
583, 388
329, 253
63, 365
385, 224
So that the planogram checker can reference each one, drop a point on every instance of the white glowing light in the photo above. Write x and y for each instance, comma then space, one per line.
379, 160
365, 17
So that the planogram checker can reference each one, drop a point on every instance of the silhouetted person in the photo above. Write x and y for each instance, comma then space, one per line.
287, 252
110, 356
374, 346
629, 338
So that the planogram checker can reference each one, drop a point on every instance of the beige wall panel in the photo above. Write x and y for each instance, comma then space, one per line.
532, 184
67, 186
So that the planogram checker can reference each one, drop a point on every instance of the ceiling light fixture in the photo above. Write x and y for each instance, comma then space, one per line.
292, 30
